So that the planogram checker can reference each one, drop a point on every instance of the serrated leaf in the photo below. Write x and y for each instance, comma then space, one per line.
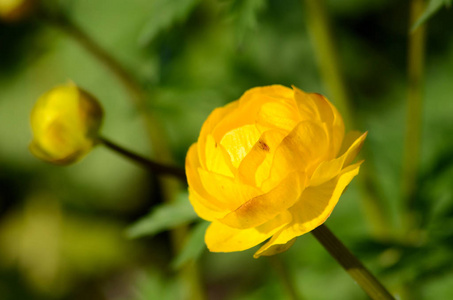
432, 7
193, 247
164, 14
164, 217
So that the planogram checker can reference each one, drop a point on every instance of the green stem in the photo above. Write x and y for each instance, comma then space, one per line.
416, 57
139, 97
351, 264
153, 166
329, 65
285, 278
411, 158
321, 36
62, 22
189, 273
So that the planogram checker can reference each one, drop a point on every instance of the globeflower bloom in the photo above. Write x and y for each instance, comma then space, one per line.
65, 123
272, 164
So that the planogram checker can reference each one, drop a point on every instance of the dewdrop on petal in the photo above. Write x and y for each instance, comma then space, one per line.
65, 123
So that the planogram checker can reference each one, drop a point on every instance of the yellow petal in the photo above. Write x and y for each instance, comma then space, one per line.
313, 106
65, 122
245, 114
263, 208
41, 153
329, 169
230, 192
208, 126
255, 167
205, 205
308, 108
217, 158
337, 130
279, 113
58, 104
300, 151
222, 238
275, 91
238, 114
239, 141
313, 208
89, 114
275, 249
249, 105
353, 142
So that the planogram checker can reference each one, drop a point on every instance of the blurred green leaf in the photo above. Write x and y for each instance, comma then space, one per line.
164, 14
194, 246
151, 284
164, 217
432, 7
244, 15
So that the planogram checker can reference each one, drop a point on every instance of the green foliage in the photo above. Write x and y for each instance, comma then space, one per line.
244, 14
150, 284
72, 245
164, 217
163, 15
193, 247
432, 7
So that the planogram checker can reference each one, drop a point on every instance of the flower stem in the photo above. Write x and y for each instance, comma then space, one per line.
321, 36
138, 95
190, 273
153, 166
416, 57
61, 21
285, 278
351, 264
329, 65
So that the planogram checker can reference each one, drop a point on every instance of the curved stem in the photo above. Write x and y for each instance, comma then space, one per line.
351, 264
149, 164
189, 273
62, 22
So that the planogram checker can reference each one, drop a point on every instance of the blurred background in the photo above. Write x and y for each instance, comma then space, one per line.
65, 232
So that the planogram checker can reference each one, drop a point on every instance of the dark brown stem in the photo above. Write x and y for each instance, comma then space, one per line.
149, 164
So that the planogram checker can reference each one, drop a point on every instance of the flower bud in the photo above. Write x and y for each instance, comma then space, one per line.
272, 164
15, 10
65, 123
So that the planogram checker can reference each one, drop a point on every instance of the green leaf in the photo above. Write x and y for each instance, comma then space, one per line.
151, 283
244, 15
432, 7
193, 247
164, 217
164, 14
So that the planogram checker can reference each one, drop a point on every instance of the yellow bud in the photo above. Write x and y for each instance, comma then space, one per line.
65, 122
15, 10
272, 164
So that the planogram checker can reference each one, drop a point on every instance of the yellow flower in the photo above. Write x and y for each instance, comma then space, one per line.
65, 123
272, 164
